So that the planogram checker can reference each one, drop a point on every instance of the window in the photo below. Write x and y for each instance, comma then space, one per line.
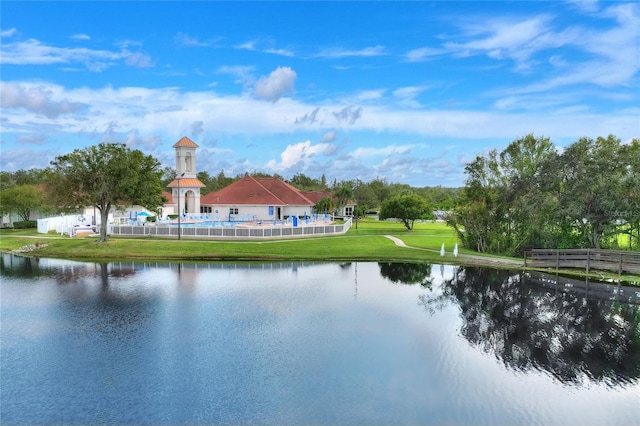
205, 209
348, 211
233, 210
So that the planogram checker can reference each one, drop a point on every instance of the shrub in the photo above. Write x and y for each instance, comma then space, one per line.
25, 224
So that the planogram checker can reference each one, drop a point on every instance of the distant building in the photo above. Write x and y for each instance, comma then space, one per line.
185, 188
260, 198
263, 198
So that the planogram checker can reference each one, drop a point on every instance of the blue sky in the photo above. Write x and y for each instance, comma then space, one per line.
406, 91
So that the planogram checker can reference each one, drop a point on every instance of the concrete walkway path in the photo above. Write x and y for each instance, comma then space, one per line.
466, 258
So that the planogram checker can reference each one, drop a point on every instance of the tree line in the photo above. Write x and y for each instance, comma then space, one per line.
533, 195
112, 175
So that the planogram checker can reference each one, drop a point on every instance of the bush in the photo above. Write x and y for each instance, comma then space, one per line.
172, 216
25, 224
151, 219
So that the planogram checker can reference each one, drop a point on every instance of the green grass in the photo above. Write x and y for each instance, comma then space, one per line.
365, 243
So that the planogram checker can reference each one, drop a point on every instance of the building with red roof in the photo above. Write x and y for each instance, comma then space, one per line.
260, 198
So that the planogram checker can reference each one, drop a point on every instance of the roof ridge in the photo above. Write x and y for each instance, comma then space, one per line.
266, 189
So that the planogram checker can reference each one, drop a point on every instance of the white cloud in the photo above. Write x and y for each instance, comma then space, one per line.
276, 85
35, 99
587, 6
48, 109
80, 37
196, 128
256, 46
242, 73
342, 53
348, 115
301, 152
185, 40
31, 138
384, 151
33, 52
422, 54
140, 60
329, 136
8, 33
407, 95
145, 143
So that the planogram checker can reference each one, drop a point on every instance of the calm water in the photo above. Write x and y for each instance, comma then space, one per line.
355, 343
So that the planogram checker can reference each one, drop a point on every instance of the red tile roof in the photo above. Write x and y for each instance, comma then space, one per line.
287, 193
185, 182
262, 191
168, 196
316, 196
185, 142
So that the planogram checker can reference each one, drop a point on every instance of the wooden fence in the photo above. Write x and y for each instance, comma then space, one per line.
588, 259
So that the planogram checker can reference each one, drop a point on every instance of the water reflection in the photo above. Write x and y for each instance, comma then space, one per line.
537, 321
407, 273
288, 343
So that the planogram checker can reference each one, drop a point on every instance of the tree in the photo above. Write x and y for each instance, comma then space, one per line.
22, 199
324, 205
343, 194
530, 209
305, 183
592, 187
479, 218
104, 175
407, 208
630, 202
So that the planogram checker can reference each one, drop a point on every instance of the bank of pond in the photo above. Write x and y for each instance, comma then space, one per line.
313, 342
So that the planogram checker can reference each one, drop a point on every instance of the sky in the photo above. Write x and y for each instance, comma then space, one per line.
409, 92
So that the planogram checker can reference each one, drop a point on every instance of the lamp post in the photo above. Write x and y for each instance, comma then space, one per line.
179, 213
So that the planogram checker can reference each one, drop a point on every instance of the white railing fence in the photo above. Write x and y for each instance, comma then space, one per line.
229, 232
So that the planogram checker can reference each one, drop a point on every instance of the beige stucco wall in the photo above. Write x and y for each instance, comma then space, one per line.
261, 212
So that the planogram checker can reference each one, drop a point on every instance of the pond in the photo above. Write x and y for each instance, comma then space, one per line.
313, 343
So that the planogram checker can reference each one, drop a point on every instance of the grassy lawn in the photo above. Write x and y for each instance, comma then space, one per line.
365, 243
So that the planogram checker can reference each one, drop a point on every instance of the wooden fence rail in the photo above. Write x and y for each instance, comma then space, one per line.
606, 260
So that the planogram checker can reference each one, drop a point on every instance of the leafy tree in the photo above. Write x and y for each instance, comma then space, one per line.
305, 183
479, 218
630, 201
530, 209
407, 273
366, 198
208, 181
22, 199
343, 194
105, 175
324, 205
407, 208
168, 175
381, 188
592, 174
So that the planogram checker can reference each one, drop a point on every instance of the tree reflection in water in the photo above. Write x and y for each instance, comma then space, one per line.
573, 337
407, 273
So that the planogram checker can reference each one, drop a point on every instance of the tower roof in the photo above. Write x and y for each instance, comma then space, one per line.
185, 142
186, 183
